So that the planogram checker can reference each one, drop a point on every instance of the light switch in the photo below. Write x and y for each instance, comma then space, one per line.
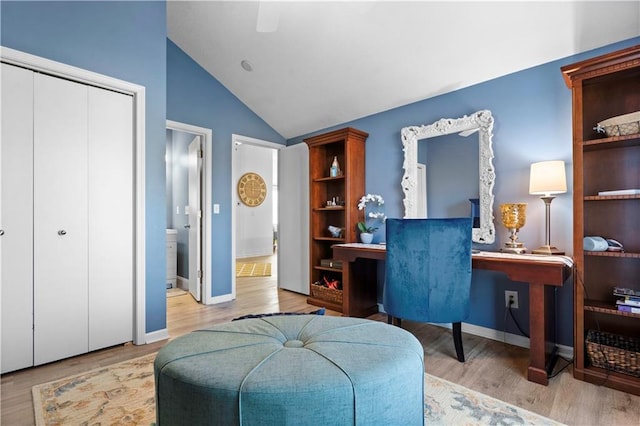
186, 210
216, 208
177, 209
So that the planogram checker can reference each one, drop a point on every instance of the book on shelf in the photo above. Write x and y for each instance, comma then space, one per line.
627, 297
620, 192
630, 309
626, 292
629, 302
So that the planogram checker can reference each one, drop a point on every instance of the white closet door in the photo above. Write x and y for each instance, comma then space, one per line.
111, 213
60, 219
16, 217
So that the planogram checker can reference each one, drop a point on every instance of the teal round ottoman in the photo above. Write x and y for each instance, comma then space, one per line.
292, 370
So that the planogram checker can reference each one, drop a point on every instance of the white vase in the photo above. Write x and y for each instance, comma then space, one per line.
366, 237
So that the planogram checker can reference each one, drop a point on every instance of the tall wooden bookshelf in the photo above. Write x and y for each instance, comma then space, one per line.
348, 147
604, 87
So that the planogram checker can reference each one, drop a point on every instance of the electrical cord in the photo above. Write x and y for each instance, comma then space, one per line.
524, 333
504, 327
568, 362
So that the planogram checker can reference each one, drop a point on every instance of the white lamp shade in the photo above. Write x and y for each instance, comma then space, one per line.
547, 177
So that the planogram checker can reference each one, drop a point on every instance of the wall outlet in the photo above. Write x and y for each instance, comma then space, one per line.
511, 295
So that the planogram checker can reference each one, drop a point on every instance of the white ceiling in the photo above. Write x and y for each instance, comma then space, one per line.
332, 62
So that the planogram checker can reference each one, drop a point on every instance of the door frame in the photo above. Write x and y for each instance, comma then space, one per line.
205, 187
239, 139
69, 72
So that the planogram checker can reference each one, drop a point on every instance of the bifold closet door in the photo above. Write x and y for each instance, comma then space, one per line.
66, 218
16, 218
60, 224
111, 214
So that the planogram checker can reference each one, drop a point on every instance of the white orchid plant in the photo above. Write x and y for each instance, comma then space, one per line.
376, 214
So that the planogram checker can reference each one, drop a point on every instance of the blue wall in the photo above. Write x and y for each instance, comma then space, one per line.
195, 97
124, 40
532, 111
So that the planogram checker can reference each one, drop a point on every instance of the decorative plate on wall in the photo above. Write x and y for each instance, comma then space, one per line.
252, 189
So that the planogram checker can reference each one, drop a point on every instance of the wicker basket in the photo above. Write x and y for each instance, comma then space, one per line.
326, 293
613, 352
621, 125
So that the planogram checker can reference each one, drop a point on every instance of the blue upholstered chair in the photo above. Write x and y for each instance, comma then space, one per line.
428, 272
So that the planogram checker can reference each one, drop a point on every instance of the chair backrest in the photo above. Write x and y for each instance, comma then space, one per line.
428, 269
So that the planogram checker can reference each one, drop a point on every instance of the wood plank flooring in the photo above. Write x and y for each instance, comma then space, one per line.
493, 368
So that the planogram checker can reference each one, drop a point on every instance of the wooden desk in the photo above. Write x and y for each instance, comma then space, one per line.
542, 274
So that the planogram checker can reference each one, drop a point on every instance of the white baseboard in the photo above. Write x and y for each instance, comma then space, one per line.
501, 336
183, 283
156, 336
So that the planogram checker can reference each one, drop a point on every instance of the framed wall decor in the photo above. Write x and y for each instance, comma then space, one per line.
252, 189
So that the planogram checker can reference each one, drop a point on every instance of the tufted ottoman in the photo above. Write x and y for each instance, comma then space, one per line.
292, 370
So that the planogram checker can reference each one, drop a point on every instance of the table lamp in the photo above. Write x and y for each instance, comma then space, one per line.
513, 218
547, 178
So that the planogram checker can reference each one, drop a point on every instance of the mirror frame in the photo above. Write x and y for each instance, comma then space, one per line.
481, 122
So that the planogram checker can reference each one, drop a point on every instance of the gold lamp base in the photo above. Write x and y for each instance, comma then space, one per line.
517, 248
548, 250
513, 218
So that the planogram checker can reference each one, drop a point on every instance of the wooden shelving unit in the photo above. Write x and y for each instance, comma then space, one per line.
348, 146
604, 87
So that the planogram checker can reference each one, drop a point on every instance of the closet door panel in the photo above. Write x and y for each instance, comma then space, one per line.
60, 219
16, 218
111, 213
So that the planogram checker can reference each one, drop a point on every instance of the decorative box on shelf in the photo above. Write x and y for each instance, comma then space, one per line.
331, 263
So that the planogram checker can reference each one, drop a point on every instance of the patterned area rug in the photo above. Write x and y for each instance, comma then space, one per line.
447, 403
253, 269
123, 394
119, 394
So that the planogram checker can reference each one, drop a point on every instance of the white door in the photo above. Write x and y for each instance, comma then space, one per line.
111, 213
293, 218
16, 218
195, 218
60, 219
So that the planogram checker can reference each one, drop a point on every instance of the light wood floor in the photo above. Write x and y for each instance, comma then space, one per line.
493, 368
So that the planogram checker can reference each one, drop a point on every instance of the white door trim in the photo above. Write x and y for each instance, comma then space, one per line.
80, 75
207, 144
239, 139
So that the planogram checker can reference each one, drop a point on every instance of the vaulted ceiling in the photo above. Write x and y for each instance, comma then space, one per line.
324, 63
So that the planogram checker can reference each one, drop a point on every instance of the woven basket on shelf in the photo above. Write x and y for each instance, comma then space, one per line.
614, 352
326, 293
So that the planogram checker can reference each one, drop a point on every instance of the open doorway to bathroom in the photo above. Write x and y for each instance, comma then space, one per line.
188, 216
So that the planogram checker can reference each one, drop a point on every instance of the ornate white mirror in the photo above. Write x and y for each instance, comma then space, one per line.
480, 122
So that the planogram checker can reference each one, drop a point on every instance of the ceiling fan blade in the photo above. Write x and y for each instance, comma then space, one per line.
268, 17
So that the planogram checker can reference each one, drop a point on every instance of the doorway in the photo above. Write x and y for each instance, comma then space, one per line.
256, 211
292, 233
188, 195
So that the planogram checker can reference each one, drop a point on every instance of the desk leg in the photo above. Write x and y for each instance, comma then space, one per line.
346, 289
362, 299
537, 372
